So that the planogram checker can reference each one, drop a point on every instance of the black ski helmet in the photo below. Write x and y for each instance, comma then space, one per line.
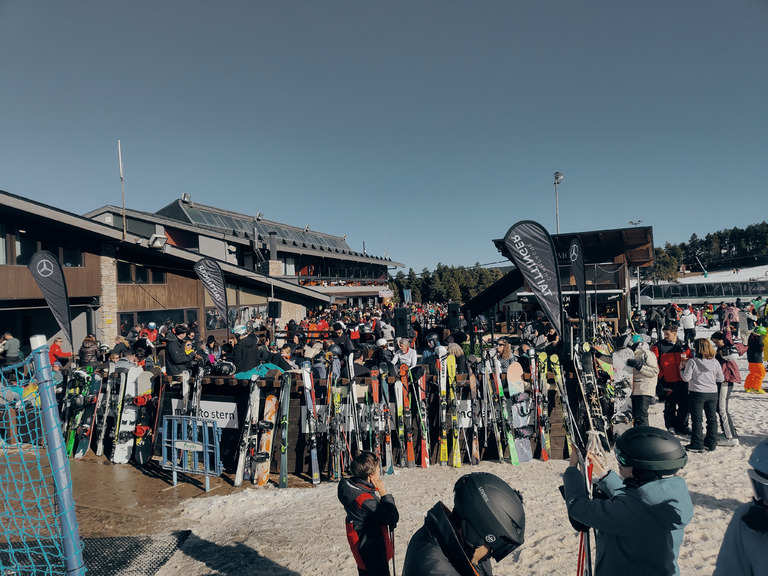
433, 338
491, 513
649, 448
624, 339
334, 349
758, 475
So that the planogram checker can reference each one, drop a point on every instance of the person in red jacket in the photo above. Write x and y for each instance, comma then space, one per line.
371, 516
56, 354
670, 351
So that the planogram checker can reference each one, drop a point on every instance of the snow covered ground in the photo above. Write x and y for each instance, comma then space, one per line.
301, 531
743, 274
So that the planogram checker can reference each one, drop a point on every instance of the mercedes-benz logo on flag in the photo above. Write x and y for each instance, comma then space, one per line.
574, 252
45, 268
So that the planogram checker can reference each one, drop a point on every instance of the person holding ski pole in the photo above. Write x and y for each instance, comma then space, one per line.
643, 511
371, 518
487, 521
744, 550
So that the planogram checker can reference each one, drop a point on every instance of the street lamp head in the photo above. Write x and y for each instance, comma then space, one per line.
558, 177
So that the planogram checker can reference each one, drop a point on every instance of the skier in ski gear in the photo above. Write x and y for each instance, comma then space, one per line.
640, 524
246, 351
487, 521
754, 380
644, 379
726, 355
175, 358
744, 550
669, 352
703, 374
406, 355
371, 518
341, 339
688, 324
433, 343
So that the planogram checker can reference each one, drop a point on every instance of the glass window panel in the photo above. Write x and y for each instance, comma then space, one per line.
123, 272
71, 256
3, 246
141, 275
158, 277
26, 246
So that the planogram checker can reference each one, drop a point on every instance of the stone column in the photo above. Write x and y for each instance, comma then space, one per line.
108, 322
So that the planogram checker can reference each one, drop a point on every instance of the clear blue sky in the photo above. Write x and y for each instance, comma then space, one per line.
424, 129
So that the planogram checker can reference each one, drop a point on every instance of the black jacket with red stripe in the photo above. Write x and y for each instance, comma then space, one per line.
368, 522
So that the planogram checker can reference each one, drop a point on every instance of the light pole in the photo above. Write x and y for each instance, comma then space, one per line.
558, 179
635, 223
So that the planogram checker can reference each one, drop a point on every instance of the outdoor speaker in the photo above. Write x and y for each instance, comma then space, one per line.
402, 322
275, 309
453, 315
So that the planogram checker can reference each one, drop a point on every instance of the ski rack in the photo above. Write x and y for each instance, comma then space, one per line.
191, 446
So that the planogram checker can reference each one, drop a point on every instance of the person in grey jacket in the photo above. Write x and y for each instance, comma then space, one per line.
703, 374
645, 376
744, 551
11, 346
641, 521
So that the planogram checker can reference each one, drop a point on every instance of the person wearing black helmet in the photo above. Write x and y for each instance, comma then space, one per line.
641, 520
433, 344
744, 550
341, 339
487, 521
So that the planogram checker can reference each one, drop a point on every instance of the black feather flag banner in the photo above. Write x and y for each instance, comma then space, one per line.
533, 252
209, 272
576, 256
47, 272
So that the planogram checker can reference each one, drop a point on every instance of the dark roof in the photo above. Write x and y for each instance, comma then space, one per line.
633, 246
56, 218
496, 292
251, 226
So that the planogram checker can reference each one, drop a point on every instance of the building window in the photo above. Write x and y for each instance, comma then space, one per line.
71, 256
26, 246
3, 255
123, 272
141, 275
290, 266
128, 273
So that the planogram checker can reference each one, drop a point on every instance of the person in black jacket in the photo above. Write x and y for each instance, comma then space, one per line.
246, 352
487, 521
371, 518
176, 358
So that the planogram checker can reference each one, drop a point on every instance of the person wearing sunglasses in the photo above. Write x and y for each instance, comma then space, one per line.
641, 517
487, 521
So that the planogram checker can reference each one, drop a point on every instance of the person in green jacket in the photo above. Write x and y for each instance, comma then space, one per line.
641, 515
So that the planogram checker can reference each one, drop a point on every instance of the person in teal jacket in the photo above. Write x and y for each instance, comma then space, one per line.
640, 520
744, 551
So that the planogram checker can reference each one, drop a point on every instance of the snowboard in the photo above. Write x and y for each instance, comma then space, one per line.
264, 456
105, 407
520, 411
90, 400
126, 415
146, 405
621, 420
